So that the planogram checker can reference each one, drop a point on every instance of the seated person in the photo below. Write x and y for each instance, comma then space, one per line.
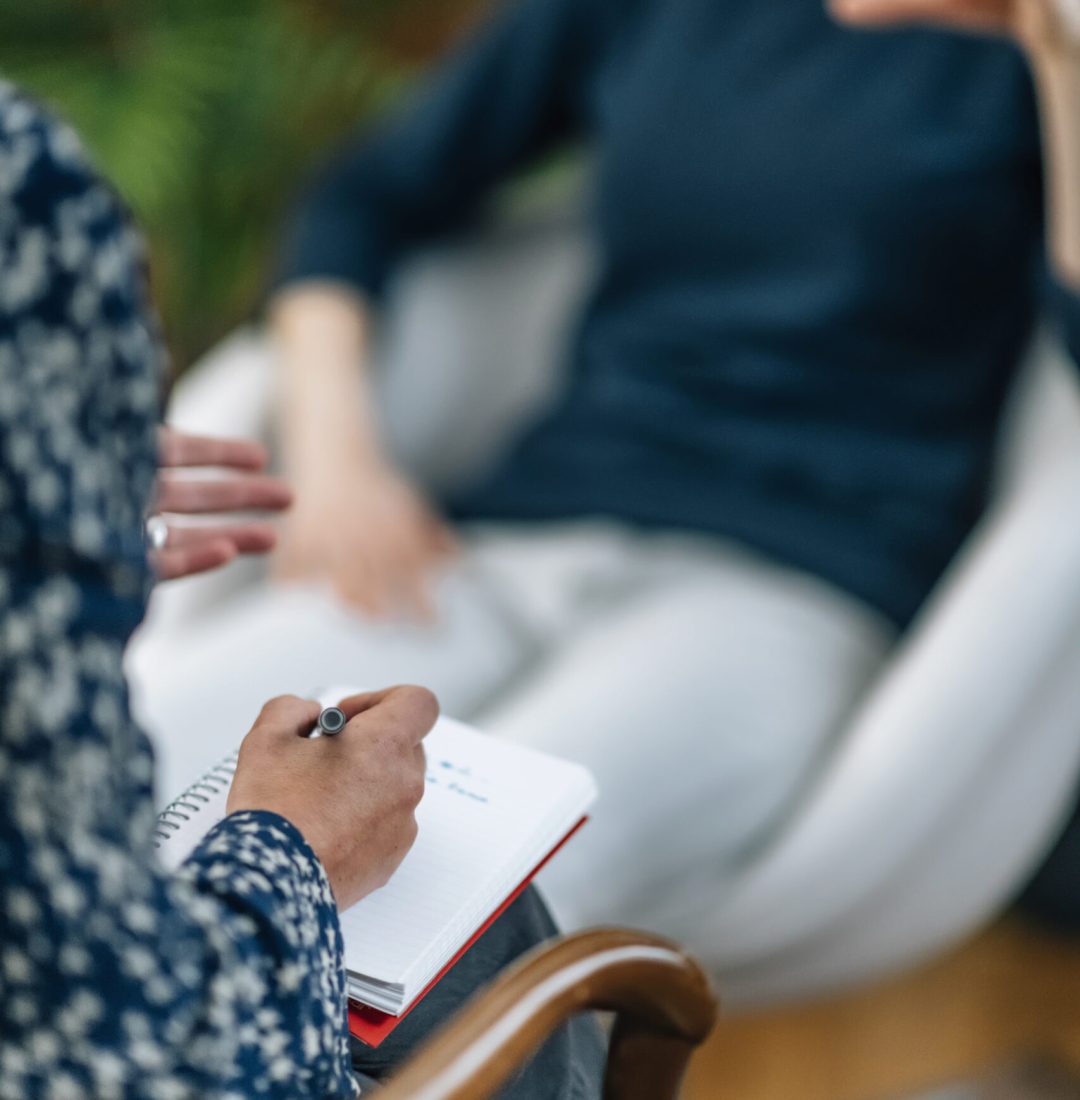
116, 979
821, 260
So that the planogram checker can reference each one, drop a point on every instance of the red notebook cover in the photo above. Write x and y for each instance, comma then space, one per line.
371, 1026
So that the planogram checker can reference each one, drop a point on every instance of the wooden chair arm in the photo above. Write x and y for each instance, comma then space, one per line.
663, 1003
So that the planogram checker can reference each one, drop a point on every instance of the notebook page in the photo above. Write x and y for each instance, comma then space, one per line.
479, 913
485, 805
563, 814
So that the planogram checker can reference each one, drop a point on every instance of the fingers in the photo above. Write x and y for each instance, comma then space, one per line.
407, 585
360, 578
444, 541
192, 550
394, 574
199, 550
230, 494
187, 561
246, 538
287, 716
972, 14
439, 546
407, 712
183, 449
377, 543
357, 704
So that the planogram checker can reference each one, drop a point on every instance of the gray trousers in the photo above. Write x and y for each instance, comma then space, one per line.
570, 1065
702, 685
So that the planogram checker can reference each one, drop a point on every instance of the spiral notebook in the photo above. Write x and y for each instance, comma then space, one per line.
491, 816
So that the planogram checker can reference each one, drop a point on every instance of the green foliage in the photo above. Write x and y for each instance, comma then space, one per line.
205, 114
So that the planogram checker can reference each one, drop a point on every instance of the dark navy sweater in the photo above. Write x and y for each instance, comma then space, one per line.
821, 262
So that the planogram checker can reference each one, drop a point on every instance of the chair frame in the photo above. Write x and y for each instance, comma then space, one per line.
663, 1002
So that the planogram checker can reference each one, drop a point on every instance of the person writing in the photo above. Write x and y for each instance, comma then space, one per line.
117, 980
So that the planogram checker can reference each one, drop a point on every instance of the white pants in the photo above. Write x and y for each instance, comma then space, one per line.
701, 684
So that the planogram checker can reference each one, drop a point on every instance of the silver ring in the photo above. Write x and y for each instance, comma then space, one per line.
157, 533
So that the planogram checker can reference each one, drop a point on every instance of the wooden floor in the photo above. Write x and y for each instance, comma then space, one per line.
1010, 992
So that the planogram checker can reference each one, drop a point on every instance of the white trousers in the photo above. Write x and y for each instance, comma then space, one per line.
702, 685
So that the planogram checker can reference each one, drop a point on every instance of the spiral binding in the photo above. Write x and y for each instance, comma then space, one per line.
181, 810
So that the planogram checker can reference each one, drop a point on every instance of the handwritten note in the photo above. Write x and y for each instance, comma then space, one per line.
491, 811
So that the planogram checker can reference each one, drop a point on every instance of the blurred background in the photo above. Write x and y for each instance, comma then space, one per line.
206, 114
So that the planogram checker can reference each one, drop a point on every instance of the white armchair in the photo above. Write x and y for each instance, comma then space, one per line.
954, 776
957, 772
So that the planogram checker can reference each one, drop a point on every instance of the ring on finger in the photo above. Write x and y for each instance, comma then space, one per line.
157, 532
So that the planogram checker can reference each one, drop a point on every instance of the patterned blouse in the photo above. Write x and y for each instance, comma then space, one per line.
117, 980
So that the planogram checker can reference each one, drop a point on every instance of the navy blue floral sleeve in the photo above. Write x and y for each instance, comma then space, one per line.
116, 979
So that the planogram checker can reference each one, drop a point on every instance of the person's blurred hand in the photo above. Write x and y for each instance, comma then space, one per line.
353, 796
1036, 24
1049, 33
372, 534
358, 522
244, 487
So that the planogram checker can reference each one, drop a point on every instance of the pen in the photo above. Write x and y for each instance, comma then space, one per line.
331, 722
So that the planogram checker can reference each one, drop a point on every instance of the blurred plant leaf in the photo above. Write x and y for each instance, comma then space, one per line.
206, 114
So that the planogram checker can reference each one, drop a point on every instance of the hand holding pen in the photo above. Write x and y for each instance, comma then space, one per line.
352, 793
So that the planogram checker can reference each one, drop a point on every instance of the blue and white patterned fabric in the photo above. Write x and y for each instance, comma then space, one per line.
117, 980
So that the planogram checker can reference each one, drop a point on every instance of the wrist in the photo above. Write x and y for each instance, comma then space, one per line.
330, 452
1057, 76
326, 420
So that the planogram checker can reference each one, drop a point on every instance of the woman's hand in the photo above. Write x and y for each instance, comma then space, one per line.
353, 796
196, 549
357, 522
372, 534
1049, 32
1033, 22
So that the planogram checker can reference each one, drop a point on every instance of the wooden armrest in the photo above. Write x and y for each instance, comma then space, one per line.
663, 1003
